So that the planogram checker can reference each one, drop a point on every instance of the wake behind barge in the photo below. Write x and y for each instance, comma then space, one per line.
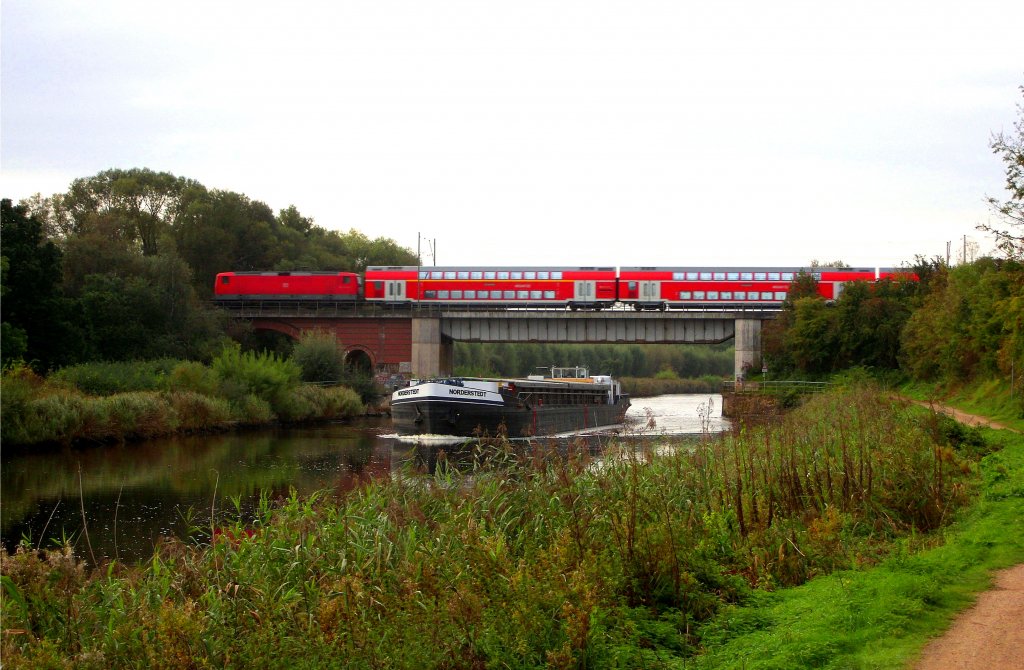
567, 401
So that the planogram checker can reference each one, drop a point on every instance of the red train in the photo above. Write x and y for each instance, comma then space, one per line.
567, 287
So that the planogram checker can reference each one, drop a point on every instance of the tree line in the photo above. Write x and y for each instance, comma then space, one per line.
121, 265
955, 325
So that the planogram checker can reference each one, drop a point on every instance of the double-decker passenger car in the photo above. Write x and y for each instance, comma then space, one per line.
312, 286
581, 287
730, 287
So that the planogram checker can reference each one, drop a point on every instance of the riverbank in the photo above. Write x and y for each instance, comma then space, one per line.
118, 402
657, 557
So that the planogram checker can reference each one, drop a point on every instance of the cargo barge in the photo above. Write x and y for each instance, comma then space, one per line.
567, 400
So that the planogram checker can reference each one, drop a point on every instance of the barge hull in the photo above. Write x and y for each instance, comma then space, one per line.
489, 420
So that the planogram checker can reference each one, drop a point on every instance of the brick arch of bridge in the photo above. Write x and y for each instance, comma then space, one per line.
384, 342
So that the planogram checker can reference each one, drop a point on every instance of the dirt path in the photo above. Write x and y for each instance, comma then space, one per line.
989, 635
963, 417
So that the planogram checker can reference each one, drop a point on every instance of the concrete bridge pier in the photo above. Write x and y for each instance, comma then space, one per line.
432, 352
748, 348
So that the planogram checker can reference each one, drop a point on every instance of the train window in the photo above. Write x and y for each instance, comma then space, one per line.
346, 279
773, 276
463, 274
787, 276
549, 295
760, 276
698, 295
719, 276
489, 274
692, 275
424, 274
740, 295
780, 295
430, 295
456, 295
747, 276
509, 295
678, 276
436, 274
470, 295
712, 295
476, 274
535, 295
530, 275
225, 280
732, 276
632, 286
450, 274
705, 275
543, 275
726, 295
522, 295
517, 275
685, 295
495, 295
766, 295
556, 275
503, 274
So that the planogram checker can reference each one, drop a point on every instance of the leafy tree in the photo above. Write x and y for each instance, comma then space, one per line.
37, 316
1009, 233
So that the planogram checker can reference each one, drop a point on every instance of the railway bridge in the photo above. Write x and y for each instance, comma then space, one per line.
420, 342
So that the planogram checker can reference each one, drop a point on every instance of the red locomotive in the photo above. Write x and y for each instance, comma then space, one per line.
317, 286
567, 287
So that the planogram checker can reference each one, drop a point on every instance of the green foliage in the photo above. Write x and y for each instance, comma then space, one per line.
319, 357
117, 377
193, 376
815, 338
490, 360
266, 376
971, 325
529, 559
36, 316
146, 399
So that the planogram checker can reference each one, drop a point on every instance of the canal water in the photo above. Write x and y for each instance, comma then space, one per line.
131, 495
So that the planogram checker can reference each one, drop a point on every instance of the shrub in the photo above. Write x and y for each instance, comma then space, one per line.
196, 411
318, 356
264, 375
107, 378
127, 416
192, 376
253, 409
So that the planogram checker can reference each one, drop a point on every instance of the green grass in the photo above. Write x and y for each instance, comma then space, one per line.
882, 617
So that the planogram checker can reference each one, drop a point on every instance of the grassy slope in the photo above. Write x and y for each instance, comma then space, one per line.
881, 618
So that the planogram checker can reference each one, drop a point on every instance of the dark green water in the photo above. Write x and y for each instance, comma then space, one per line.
132, 495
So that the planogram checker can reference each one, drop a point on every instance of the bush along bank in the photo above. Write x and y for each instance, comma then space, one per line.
525, 560
129, 401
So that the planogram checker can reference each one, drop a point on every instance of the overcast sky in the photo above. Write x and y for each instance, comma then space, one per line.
539, 132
